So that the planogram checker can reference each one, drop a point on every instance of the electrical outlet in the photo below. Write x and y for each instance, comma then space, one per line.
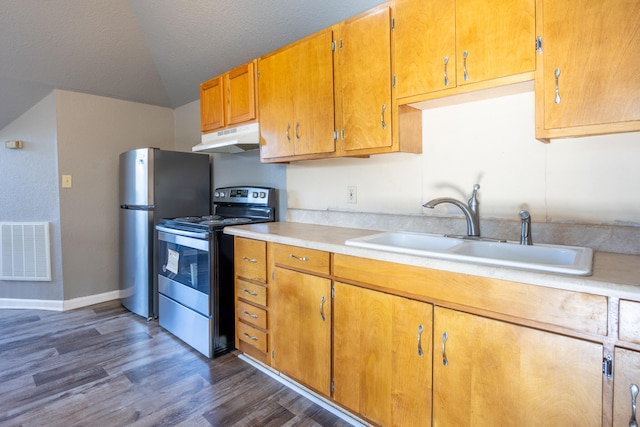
352, 194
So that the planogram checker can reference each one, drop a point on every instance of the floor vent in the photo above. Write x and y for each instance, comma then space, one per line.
24, 251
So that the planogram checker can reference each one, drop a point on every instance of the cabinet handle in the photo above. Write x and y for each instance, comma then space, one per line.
633, 389
445, 337
446, 79
420, 330
255, 294
322, 307
244, 258
464, 65
297, 131
384, 125
288, 136
250, 337
254, 316
304, 258
557, 74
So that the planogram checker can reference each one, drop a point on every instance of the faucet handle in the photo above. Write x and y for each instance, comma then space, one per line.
473, 201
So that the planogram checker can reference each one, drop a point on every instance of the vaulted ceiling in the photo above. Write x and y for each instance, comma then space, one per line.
151, 51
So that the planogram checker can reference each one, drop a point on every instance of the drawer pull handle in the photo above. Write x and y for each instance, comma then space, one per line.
322, 307
254, 316
420, 330
250, 337
244, 258
633, 389
446, 78
465, 54
445, 337
255, 294
304, 258
557, 74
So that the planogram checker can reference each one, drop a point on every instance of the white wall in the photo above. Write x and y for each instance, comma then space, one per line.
29, 190
490, 142
92, 132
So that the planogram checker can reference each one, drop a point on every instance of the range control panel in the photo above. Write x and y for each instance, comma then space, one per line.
245, 195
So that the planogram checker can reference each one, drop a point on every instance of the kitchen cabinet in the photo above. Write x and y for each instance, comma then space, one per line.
300, 312
489, 372
626, 372
461, 46
296, 100
382, 356
588, 74
626, 365
252, 327
229, 99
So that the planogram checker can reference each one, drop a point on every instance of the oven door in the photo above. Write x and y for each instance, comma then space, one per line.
184, 268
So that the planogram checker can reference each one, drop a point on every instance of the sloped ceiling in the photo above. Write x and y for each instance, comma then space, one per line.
151, 51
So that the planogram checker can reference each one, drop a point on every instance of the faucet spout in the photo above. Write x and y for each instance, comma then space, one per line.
525, 229
470, 211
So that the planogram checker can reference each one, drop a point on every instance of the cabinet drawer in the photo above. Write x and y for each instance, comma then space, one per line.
629, 329
252, 336
250, 259
301, 258
251, 292
252, 314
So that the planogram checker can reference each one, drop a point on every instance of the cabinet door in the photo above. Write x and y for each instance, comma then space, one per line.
382, 356
212, 104
626, 372
240, 93
276, 106
312, 62
300, 312
365, 76
594, 47
498, 37
423, 40
490, 373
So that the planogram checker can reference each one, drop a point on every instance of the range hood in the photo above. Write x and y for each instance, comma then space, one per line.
233, 140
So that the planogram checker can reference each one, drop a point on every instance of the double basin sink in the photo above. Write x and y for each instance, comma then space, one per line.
539, 257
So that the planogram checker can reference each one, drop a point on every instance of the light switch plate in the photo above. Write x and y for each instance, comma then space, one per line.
66, 181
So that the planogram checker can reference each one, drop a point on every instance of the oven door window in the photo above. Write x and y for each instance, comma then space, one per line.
185, 264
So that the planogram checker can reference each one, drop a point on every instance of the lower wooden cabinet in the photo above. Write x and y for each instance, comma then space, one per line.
382, 356
493, 373
300, 316
626, 372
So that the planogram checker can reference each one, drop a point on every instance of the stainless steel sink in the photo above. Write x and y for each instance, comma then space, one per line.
549, 258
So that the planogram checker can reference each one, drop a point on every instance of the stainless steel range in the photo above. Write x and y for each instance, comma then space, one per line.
195, 268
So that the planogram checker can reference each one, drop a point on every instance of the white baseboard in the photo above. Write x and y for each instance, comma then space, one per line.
309, 394
56, 305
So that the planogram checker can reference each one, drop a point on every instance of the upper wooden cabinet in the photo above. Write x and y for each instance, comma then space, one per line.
588, 74
446, 44
228, 99
296, 100
363, 88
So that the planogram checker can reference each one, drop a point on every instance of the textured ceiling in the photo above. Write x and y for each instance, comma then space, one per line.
151, 51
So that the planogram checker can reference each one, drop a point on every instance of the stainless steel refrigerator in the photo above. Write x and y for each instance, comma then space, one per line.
154, 184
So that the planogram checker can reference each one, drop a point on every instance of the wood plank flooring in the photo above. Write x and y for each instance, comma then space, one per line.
104, 366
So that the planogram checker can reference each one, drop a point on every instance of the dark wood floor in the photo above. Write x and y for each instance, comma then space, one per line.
103, 366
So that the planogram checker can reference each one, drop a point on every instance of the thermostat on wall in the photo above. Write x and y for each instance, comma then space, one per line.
13, 144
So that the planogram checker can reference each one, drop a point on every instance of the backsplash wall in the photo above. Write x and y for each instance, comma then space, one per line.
589, 180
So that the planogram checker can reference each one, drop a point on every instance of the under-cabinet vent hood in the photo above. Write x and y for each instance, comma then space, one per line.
233, 140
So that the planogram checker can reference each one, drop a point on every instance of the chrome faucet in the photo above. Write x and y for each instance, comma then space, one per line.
525, 231
471, 212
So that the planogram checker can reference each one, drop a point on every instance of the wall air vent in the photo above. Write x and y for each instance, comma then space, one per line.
24, 251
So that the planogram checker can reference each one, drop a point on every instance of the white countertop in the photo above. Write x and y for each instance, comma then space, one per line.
616, 275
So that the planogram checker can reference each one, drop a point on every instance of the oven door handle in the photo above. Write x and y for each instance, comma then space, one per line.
195, 234
191, 242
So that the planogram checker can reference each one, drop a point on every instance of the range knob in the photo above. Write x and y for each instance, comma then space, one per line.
255, 194
263, 194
